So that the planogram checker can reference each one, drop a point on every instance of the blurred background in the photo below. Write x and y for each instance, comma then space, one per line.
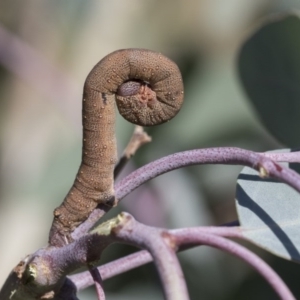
47, 48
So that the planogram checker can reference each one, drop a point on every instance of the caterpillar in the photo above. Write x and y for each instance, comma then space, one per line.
148, 90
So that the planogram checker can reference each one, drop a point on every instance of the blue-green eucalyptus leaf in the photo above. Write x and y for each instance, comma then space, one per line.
269, 213
269, 68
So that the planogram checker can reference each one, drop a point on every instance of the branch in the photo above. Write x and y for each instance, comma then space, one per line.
132, 232
231, 247
282, 156
84, 279
139, 138
160, 245
97, 282
119, 266
225, 155
43, 273
263, 164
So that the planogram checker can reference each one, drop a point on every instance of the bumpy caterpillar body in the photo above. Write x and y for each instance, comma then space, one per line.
148, 90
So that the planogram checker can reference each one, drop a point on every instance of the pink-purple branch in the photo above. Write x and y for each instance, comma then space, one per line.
160, 246
180, 239
111, 269
97, 282
140, 258
282, 156
225, 156
231, 247
228, 156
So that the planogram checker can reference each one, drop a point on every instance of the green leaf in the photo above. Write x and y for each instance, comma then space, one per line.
269, 213
269, 68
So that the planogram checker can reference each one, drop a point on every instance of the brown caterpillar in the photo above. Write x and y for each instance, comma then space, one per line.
148, 90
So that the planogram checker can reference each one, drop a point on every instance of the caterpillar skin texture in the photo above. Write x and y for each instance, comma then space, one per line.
148, 90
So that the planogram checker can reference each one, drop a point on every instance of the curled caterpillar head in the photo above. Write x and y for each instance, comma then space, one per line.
148, 85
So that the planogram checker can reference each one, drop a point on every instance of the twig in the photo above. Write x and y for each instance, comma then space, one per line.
252, 259
282, 156
161, 247
111, 269
227, 155
181, 239
139, 138
140, 258
97, 281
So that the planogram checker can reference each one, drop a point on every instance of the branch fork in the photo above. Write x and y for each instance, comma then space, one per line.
43, 273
